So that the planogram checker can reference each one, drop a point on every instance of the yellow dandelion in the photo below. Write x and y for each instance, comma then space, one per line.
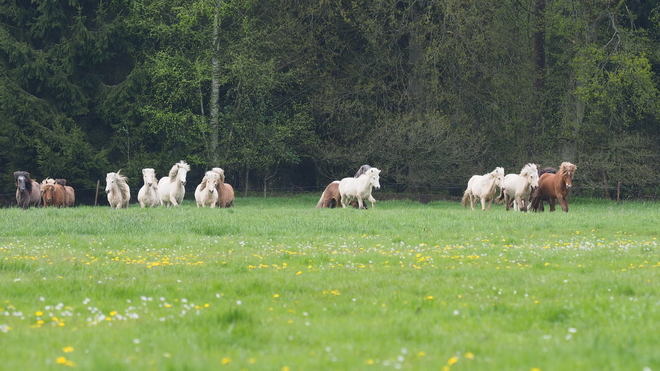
225, 360
298, 273
39, 313
469, 355
276, 295
452, 360
67, 349
370, 361
60, 360
252, 361
285, 368
421, 354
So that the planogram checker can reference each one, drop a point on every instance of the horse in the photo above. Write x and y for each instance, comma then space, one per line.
331, 198
483, 187
69, 193
518, 188
119, 193
28, 191
554, 186
53, 195
206, 193
172, 188
225, 190
148, 194
360, 188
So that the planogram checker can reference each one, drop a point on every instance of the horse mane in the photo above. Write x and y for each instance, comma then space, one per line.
207, 175
175, 169
220, 172
363, 169
28, 181
527, 169
566, 167
122, 183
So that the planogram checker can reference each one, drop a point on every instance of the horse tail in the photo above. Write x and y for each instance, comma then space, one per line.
320, 203
466, 198
535, 200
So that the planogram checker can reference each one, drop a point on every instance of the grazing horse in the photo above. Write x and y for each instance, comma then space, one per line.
119, 193
483, 187
69, 193
518, 188
360, 188
172, 188
148, 194
555, 187
206, 193
28, 191
225, 190
53, 195
331, 198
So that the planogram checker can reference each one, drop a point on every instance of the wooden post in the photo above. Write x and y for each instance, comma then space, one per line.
96, 198
618, 192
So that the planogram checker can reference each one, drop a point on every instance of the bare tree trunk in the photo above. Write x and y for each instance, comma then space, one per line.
539, 70
215, 88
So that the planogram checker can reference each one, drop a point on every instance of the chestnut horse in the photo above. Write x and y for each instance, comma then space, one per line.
69, 193
555, 187
225, 190
53, 195
28, 191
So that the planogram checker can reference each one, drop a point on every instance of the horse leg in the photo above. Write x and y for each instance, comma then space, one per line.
507, 201
373, 201
552, 203
483, 204
563, 202
359, 199
344, 199
473, 199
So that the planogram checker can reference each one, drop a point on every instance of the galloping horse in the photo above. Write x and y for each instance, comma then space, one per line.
148, 194
555, 187
119, 194
360, 188
53, 195
225, 190
519, 187
172, 188
69, 193
206, 193
483, 187
28, 191
331, 198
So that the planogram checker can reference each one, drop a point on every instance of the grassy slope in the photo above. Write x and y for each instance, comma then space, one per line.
275, 284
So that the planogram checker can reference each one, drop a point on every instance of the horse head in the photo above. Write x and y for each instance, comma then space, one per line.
180, 171
567, 170
149, 177
531, 172
499, 174
48, 191
211, 179
22, 180
375, 177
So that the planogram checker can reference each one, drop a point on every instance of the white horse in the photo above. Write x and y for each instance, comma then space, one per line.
172, 188
518, 188
206, 193
148, 195
117, 189
360, 188
483, 187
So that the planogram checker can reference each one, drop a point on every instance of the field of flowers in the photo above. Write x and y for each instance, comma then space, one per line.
275, 284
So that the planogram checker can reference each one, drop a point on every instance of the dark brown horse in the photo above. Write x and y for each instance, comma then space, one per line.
28, 191
555, 187
69, 193
53, 195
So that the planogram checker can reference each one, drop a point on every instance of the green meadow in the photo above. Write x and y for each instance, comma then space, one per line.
276, 284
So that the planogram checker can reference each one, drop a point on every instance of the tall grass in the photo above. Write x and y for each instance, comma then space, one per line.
275, 284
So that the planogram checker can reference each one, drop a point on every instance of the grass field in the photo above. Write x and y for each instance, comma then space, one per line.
275, 284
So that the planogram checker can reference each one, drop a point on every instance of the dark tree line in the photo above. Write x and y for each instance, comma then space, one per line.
293, 94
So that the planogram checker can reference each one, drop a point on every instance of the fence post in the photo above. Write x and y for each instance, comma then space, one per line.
618, 192
96, 198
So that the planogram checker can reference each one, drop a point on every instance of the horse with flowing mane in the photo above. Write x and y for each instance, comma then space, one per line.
360, 188
119, 193
331, 198
206, 193
555, 187
148, 194
53, 193
69, 193
28, 191
225, 190
172, 188
483, 187
517, 188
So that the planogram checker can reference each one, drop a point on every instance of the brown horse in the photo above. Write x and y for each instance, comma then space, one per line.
555, 187
225, 190
69, 193
28, 191
53, 195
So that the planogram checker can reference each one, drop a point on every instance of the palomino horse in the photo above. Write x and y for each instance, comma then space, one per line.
555, 187
519, 187
331, 198
360, 188
206, 193
483, 187
225, 190
28, 191
148, 194
69, 193
119, 194
172, 188
53, 194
